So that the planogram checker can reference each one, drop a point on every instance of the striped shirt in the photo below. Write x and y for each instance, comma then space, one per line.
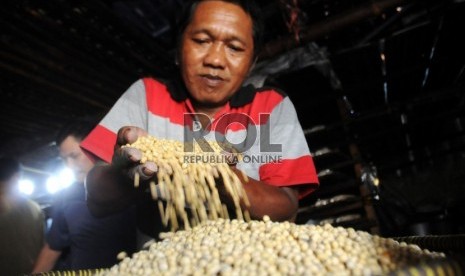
261, 123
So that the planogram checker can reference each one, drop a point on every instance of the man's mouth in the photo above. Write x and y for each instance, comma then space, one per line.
212, 80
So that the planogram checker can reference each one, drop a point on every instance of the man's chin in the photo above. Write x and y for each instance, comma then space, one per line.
211, 103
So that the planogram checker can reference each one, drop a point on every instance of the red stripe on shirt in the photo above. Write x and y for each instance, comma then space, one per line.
256, 113
100, 142
160, 103
291, 172
264, 102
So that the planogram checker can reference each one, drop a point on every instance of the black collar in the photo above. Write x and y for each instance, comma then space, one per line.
179, 93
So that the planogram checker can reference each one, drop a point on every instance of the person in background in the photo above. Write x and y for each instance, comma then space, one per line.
92, 242
21, 223
218, 43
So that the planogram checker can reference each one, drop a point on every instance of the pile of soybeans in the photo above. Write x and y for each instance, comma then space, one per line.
209, 243
233, 247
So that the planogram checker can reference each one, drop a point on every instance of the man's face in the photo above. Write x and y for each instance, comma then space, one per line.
216, 52
74, 158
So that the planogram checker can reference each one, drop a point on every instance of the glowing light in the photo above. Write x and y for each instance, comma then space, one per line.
383, 57
60, 181
66, 177
52, 184
26, 186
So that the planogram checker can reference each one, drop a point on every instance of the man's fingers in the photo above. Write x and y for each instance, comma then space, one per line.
131, 154
129, 134
149, 168
126, 157
145, 171
121, 136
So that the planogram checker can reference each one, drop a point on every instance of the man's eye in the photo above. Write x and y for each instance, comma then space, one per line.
200, 40
236, 48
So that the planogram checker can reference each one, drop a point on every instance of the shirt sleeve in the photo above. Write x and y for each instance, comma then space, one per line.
286, 137
129, 110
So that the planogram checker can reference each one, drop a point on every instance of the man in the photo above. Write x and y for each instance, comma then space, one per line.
92, 242
21, 223
218, 45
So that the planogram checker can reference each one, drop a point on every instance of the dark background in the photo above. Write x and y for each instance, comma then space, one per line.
378, 86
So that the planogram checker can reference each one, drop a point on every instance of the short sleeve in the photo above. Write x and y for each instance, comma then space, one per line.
129, 110
296, 166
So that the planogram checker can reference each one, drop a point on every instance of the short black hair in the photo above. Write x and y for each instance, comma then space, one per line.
9, 167
79, 129
249, 6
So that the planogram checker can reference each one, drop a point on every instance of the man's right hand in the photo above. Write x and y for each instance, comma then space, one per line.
127, 158
110, 188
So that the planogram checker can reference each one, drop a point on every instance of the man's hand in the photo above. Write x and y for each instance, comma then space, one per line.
128, 159
109, 188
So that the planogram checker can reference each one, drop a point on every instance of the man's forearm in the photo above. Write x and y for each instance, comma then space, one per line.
279, 203
46, 260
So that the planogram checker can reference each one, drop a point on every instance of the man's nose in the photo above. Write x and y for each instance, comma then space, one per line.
215, 56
